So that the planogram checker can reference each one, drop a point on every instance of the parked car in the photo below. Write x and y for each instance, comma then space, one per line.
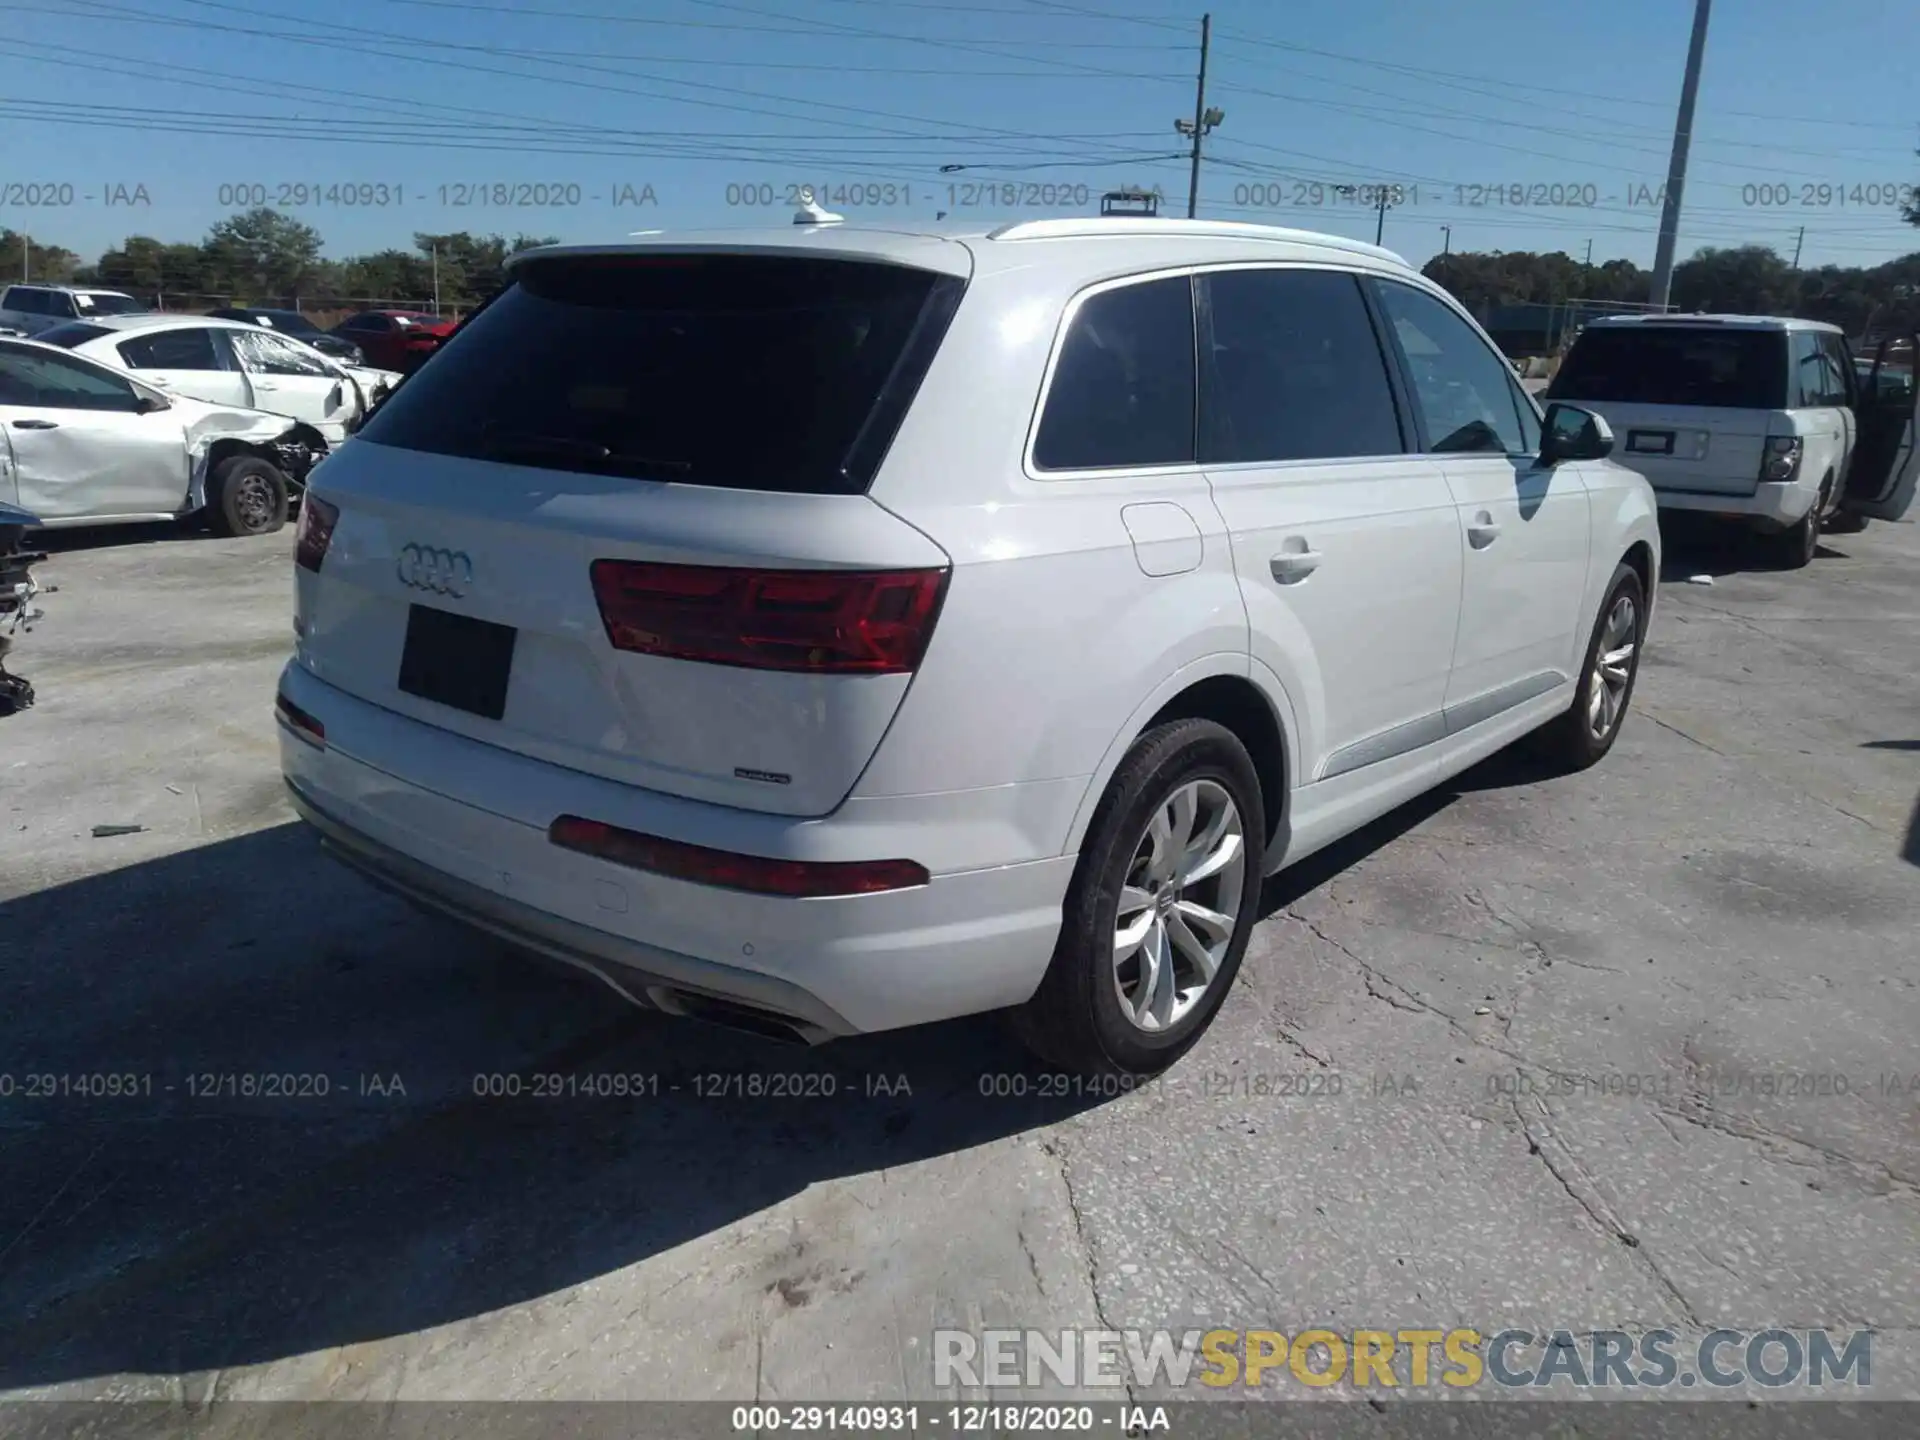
84, 443
292, 322
227, 362
1750, 418
29, 309
825, 630
395, 339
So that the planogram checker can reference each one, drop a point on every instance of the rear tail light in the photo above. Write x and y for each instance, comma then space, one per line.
823, 622
317, 519
300, 722
795, 879
1781, 459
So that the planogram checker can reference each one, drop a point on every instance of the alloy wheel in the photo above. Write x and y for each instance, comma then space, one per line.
1179, 905
1613, 660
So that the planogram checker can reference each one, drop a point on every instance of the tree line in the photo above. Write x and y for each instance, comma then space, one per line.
264, 257
1742, 280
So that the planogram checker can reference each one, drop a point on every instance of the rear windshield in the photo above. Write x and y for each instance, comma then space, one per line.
1675, 365
74, 332
745, 372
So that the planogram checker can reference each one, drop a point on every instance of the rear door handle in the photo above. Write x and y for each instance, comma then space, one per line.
1483, 531
1291, 565
36, 424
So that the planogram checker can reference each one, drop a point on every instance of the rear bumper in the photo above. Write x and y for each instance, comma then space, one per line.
966, 942
1779, 503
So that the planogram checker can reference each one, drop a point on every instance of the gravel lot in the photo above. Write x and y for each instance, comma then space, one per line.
1731, 896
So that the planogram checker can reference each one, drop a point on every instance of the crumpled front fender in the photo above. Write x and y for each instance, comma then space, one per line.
252, 427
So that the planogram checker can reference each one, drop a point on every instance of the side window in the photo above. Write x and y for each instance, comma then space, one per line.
1809, 371
58, 383
1462, 386
25, 302
368, 323
170, 350
264, 353
1294, 370
1123, 385
1842, 381
1529, 419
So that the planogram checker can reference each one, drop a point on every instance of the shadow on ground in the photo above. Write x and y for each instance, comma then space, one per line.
163, 1231
106, 537
158, 1220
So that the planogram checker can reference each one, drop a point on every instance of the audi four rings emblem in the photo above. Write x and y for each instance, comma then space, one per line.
443, 572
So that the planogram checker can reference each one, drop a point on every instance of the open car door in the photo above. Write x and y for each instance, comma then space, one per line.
1886, 459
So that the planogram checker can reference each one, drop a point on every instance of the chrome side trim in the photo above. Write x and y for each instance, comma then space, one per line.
1469, 713
1384, 746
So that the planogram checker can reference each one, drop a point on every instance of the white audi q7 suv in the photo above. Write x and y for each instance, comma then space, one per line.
824, 630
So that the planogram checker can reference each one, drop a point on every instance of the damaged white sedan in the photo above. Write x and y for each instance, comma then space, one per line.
83, 443
229, 362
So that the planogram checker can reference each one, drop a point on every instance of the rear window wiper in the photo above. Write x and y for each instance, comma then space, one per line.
527, 446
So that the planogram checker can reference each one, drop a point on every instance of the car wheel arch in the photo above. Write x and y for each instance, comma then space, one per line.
1246, 699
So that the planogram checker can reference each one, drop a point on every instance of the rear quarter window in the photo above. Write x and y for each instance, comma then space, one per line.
1676, 365
744, 372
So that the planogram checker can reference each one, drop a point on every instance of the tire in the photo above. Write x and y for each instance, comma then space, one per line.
1080, 1019
1586, 732
246, 496
1794, 547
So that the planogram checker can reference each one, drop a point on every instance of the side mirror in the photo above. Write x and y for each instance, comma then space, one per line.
147, 404
1571, 433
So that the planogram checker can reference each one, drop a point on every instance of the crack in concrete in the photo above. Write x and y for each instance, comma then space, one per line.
1057, 1152
1587, 1196
1758, 1134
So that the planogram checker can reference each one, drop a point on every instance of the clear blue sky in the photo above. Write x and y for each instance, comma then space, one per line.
1808, 115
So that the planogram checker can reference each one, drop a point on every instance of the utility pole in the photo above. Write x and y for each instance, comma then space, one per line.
1446, 232
1800, 240
1380, 225
434, 249
1588, 262
1203, 120
1677, 166
26, 251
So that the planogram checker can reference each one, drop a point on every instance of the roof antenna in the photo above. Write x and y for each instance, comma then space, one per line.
810, 213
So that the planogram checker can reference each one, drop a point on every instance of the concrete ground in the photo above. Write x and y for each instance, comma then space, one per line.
1554, 1010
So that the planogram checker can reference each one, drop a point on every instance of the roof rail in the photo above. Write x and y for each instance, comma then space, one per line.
1075, 228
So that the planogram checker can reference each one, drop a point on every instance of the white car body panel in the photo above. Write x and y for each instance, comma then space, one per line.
1078, 606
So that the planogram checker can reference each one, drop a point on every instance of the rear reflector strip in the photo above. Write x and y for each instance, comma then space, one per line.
300, 722
822, 622
796, 879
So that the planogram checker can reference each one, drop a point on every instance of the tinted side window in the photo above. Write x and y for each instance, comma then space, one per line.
1294, 370
57, 382
170, 350
1463, 388
1123, 386
1840, 364
25, 302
